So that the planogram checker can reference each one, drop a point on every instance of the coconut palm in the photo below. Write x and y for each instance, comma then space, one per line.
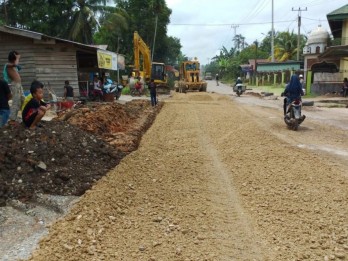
84, 22
285, 46
113, 29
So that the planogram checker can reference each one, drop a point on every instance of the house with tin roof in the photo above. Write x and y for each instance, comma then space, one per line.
52, 60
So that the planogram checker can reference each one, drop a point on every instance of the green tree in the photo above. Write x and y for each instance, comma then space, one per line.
251, 52
84, 21
239, 42
285, 46
142, 18
114, 28
45, 16
174, 50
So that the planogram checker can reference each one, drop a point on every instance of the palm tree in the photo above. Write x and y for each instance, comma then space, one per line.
84, 22
239, 41
116, 24
285, 46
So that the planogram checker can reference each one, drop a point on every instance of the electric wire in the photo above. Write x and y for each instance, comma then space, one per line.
254, 23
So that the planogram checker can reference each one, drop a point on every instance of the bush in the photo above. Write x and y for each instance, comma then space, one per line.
126, 90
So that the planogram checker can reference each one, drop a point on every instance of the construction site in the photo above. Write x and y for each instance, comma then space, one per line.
202, 176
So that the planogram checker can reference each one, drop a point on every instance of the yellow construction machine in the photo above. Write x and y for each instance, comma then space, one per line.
190, 78
148, 70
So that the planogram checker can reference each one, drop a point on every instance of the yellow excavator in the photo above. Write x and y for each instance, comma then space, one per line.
148, 70
190, 77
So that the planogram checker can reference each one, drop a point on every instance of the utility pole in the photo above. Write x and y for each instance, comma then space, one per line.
272, 33
154, 38
299, 10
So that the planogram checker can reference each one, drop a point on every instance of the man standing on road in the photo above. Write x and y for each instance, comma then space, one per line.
5, 95
153, 93
217, 79
11, 75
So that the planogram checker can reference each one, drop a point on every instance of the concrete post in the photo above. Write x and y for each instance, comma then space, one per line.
275, 79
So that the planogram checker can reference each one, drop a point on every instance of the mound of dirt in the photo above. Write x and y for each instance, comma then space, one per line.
119, 124
200, 97
69, 154
256, 94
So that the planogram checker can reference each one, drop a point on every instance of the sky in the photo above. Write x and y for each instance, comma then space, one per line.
204, 26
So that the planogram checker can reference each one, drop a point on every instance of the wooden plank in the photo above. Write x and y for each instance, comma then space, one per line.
57, 67
54, 58
56, 63
56, 77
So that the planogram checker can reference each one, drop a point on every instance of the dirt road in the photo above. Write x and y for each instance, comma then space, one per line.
210, 181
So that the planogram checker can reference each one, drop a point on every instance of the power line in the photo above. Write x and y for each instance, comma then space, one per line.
255, 23
256, 10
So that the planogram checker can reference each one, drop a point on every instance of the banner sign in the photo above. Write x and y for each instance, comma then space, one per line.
105, 59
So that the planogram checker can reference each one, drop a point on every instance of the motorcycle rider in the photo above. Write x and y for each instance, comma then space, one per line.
239, 83
292, 91
239, 80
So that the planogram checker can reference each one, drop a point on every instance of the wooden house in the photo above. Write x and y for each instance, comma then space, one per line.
49, 59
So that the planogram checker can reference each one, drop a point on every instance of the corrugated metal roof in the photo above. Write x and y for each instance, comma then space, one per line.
40, 36
279, 66
338, 14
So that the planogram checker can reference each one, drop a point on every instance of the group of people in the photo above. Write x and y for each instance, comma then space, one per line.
138, 85
33, 107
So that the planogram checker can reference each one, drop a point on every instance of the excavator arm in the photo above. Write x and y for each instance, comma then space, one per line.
140, 48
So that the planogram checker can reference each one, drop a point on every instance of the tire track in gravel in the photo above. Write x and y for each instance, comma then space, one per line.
238, 235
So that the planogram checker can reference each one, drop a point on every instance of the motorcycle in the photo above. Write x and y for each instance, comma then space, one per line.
239, 89
293, 117
111, 87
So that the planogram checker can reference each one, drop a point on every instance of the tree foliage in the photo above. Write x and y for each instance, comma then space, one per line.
142, 18
45, 16
93, 22
228, 62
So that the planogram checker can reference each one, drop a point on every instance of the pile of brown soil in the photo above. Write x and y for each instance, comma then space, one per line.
69, 154
120, 125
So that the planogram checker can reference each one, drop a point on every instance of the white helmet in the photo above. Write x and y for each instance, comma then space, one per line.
238, 78
301, 76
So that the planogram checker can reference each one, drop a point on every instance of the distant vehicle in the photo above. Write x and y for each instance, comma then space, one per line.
189, 78
208, 76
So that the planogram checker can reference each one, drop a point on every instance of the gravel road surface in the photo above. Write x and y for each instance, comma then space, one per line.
215, 179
